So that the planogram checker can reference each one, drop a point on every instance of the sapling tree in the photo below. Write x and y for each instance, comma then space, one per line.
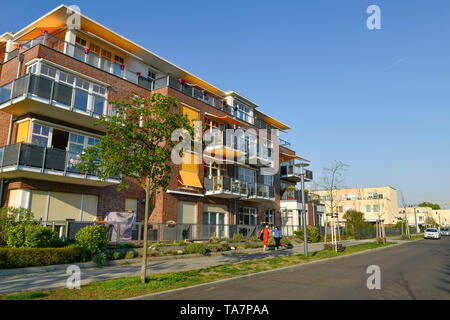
137, 145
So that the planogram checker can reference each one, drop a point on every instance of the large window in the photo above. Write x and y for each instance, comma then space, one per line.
269, 216
247, 216
40, 135
241, 112
73, 91
246, 175
268, 180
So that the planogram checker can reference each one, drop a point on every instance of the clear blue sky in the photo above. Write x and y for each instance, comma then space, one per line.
378, 100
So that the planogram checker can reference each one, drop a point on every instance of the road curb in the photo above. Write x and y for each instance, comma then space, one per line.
270, 271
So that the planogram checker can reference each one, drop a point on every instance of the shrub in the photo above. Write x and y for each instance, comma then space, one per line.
129, 255
10, 217
312, 234
116, 255
286, 241
92, 238
99, 258
237, 237
225, 247
129, 245
33, 257
195, 248
26, 235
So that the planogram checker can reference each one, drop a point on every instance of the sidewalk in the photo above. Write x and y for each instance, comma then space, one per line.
57, 279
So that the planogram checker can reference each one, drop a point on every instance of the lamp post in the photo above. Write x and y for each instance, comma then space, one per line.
302, 176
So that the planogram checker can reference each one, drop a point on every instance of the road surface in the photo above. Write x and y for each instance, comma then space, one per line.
416, 270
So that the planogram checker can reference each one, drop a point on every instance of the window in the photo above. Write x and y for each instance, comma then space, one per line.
240, 111
339, 209
367, 209
246, 175
269, 216
81, 95
66, 78
376, 208
32, 68
81, 42
40, 135
94, 48
347, 197
151, 75
76, 146
268, 180
48, 71
247, 216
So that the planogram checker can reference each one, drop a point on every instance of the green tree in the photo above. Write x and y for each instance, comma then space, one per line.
431, 205
355, 219
430, 221
138, 144
9, 217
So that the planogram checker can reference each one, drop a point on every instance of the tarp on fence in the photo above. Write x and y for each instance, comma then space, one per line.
126, 221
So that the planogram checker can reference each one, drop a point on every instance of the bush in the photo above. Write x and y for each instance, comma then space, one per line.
312, 234
26, 235
116, 255
33, 257
129, 255
237, 237
195, 248
10, 217
92, 238
286, 241
99, 258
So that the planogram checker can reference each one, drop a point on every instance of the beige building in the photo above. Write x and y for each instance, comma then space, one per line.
375, 202
442, 217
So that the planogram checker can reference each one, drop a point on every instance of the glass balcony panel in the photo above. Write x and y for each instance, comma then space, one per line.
40, 86
55, 159
32, 155
63, 94
5, 92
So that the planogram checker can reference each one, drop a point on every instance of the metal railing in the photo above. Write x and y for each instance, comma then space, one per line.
54, 93
219, 139
284, 143
45, 159
224, 184
296, 195
260, 191
287, 170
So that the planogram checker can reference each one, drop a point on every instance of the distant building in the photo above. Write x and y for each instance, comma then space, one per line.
442, 217
375, 202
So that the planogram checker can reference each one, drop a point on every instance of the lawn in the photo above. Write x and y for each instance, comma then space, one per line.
131, 286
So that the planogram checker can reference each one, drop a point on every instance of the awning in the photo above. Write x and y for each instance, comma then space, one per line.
226, 119
287, 156
223, 152
189, 178
36, 32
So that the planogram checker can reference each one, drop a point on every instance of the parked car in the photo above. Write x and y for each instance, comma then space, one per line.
445, 232
432, 233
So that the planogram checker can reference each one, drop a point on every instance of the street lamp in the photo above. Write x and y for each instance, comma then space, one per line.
302, 166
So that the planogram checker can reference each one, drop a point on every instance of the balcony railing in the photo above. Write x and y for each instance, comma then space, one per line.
225, 185
294, 171
219, 140
260, 191
35, 158
86, 56
284, 143
54, 93
296, 195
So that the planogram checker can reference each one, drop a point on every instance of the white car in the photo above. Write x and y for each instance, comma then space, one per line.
445, 232
432, 233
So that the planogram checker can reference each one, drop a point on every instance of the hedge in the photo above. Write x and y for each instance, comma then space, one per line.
34, 257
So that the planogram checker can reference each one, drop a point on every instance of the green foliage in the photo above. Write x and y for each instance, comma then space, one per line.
129, 245
99, 258
312, 234
286, 241
116, 255
129, 255
430, 221
237, 237
31, 257
92, 238
195, 248
26, 235
254, 238
138, 141
9, 217
355, 219
431, 205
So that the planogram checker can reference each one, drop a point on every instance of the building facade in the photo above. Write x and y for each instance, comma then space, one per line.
377, 203
56, 80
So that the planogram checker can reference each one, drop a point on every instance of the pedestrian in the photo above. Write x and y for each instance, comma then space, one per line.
276, 237
265, 236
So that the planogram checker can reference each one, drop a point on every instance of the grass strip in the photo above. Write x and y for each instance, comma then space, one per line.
131, 286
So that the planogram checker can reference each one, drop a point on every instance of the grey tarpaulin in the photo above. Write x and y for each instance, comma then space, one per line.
126, 221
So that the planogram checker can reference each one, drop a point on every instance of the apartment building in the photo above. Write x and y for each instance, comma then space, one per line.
442, 217
56, 80
375, 202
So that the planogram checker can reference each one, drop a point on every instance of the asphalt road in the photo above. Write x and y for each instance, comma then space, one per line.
416, 270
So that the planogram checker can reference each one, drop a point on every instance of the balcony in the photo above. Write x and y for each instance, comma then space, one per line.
223, 147
293, 195
259, 156
86, 56
258, 192
225, 187
46, 97
292, 173
35, 162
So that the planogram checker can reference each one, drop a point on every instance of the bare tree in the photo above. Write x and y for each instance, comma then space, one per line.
331, 180
381, 232
405, 206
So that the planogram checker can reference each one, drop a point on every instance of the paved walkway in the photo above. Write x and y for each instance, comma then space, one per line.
57, 279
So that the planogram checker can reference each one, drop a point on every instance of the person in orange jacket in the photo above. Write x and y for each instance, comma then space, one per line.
265, 236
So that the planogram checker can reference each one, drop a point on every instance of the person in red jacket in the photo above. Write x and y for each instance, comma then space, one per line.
265, 236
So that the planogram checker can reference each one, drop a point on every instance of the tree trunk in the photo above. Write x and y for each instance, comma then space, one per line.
326, 228
144, 253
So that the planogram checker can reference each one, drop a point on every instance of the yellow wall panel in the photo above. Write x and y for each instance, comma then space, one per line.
22, 131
